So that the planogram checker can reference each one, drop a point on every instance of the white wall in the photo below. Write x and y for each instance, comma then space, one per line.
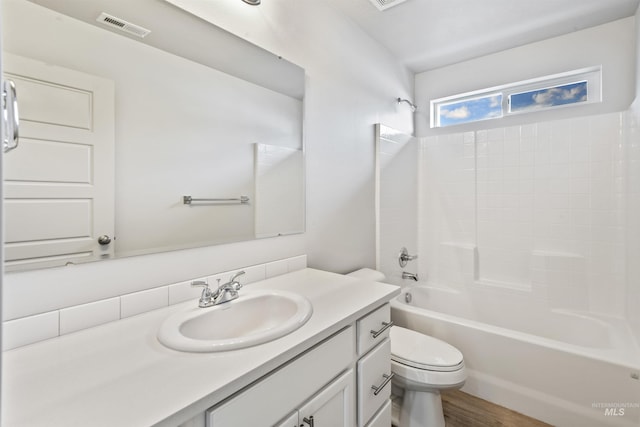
611, 45
352, 83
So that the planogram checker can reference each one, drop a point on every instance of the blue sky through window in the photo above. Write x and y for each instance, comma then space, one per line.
577, 87
471, 110
549, 97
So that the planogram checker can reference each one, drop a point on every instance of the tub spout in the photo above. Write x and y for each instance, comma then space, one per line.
411, 276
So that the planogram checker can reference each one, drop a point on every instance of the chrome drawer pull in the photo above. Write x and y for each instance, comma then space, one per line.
378, 389
308, 420
385, 326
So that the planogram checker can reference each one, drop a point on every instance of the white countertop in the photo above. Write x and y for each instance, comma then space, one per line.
118, 374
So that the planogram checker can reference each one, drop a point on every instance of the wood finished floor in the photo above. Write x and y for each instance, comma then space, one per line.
463, 410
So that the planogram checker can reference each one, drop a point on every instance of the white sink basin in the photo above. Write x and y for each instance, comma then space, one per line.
254, 318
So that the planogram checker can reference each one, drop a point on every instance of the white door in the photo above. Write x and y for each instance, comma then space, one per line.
58, 184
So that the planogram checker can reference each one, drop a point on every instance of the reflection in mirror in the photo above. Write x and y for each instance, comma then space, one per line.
117, 129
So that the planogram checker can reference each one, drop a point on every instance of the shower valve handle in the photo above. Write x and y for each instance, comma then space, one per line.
404, 257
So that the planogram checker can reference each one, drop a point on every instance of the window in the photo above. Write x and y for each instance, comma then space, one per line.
470, 110
559, 90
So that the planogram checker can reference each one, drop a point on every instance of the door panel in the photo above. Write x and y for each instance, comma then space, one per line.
58, 186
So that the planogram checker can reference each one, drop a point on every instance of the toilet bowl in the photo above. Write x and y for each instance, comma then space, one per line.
422, 366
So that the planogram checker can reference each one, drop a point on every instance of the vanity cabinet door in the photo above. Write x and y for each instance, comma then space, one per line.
383, 417
290, 421
331, 407
374, 381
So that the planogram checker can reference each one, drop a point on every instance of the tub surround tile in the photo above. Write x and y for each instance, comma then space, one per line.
568, 297
559, 187
88, 315
141, 302
19, 332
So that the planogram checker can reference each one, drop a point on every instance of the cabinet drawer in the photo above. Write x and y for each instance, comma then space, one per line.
374, 370
278, 393
375, 321
383, 417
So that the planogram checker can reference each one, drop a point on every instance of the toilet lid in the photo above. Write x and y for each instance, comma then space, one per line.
422, 351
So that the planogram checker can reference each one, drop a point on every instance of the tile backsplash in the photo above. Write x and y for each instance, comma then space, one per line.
31, 329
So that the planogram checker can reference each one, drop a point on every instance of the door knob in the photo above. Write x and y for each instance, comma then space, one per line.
104, 240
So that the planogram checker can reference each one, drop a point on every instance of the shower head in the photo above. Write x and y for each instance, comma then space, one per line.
411, 104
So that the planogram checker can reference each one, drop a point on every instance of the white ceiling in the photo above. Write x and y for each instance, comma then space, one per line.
427, 34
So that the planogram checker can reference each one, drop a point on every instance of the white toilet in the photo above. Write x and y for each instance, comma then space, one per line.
422, 366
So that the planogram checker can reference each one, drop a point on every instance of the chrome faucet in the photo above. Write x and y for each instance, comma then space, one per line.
224, 293
206, 298
411, 276
228, 291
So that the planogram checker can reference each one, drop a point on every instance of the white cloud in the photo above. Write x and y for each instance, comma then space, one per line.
546, 97
550, 96
458, 113
495, 101
571, 93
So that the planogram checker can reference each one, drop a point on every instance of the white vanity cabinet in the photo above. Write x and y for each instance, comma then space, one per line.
374, 368
303, 388
325, 369
318, 388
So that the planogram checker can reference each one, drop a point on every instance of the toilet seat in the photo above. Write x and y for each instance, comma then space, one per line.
411, 348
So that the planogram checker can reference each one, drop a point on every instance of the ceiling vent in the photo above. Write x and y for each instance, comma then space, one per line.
122, 25
386, 4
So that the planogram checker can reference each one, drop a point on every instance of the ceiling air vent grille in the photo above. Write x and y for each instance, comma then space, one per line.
386, 4
122, 25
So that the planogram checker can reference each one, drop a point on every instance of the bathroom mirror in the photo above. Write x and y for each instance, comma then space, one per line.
186, 137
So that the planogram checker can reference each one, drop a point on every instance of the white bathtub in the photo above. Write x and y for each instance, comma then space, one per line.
562, 367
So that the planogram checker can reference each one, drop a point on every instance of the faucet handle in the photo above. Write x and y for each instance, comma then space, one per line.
404, 257
199, 283
235, 276
202, 284
236, 285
